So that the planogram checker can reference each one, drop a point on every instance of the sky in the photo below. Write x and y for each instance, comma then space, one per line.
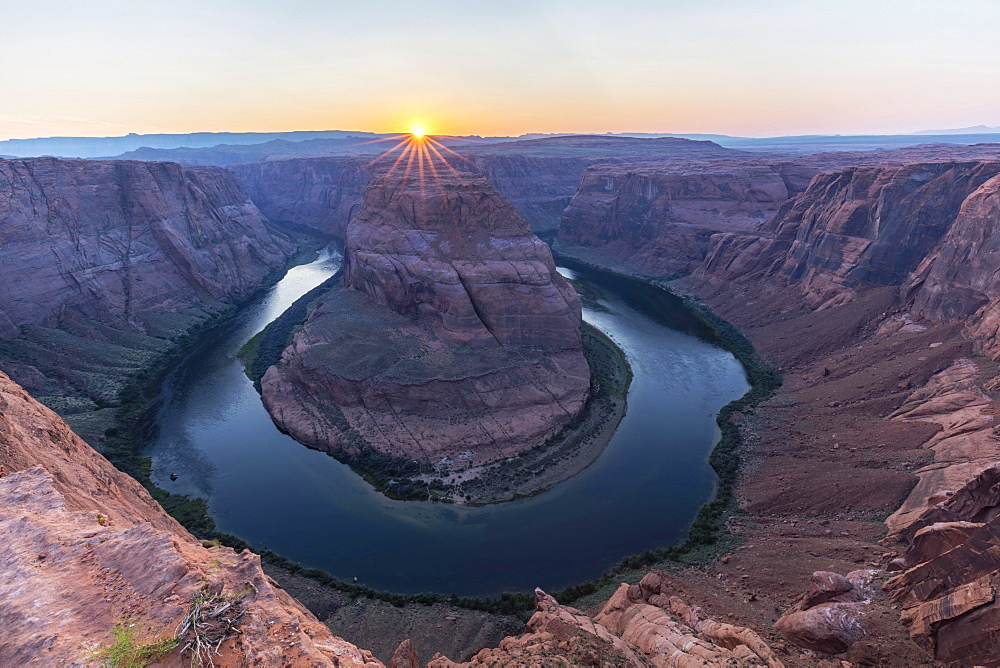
499, 67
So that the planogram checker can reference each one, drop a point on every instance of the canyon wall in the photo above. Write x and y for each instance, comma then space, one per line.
317, 193
453, 341
861, 227
111, 261
540, 187
659, 218
324, 193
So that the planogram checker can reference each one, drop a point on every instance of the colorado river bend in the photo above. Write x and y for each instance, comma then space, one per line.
262, 486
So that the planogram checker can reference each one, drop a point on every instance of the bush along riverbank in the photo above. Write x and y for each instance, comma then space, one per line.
707, 534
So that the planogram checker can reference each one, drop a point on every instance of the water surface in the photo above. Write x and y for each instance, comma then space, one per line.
262, 486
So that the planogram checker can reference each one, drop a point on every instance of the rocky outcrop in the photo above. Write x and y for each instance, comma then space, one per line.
641, 625
453, 340
317, 193
669, 632
828, 618
949, 592
87, 550
844, 232
964, 448
111, 261
555, 635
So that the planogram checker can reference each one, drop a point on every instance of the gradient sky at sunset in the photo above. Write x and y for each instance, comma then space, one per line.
759, 68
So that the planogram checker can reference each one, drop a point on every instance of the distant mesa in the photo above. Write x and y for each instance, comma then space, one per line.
452, 339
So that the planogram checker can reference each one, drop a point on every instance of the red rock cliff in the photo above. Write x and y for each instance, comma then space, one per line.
658, 218
123, 241
859, 227
318, 193
455, 339
85, 549
108, 261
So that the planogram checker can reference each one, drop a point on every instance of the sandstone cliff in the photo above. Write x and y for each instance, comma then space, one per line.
859, 227
317, 193
540, 187
324, 193
453, 341
111, 260
659, 218
87, 550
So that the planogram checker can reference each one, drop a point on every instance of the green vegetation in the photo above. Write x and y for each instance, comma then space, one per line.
126, 652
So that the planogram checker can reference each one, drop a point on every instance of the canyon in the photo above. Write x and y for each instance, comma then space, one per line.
869, 502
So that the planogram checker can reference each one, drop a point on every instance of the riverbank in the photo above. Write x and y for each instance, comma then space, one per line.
131, 423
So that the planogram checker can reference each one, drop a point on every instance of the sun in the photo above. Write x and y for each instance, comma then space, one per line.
418, 132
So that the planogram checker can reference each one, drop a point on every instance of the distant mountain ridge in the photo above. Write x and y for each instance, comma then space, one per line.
95, 147
973, 130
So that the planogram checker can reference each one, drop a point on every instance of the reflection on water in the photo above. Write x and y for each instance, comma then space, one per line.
261, 485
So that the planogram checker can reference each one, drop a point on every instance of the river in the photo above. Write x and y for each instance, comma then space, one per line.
262, 486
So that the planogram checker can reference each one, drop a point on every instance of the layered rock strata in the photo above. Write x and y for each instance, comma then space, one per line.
453, 339
856, 228
87, 550
317, 193
110, 261
658, 219
126, 242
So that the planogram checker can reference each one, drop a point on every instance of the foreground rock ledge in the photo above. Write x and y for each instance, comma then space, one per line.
85, 548
453, 340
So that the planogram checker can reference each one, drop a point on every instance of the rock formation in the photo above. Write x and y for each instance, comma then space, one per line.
126, 242
949, 594
453, 340
659, 218
111, 260
87, 550
317, 193
540, 187
641, 625
911, 245
828, 619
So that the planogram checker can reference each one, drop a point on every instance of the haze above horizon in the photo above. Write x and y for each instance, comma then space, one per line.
769, 68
